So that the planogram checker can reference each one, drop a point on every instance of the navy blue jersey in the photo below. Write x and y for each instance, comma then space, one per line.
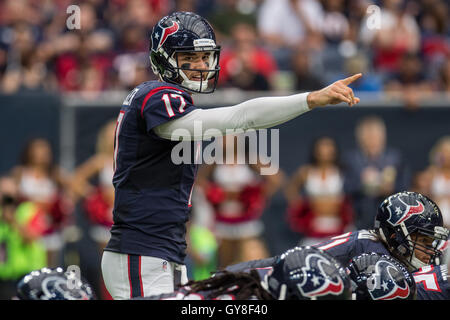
343, 248
152, 193
432, 283
351, 244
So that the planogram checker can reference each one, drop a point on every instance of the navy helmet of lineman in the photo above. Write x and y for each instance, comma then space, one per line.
308, 273
412, 227
185, 32
54, 284
380, 277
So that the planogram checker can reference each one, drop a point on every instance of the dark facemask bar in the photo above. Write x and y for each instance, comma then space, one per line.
213, 79
437, 238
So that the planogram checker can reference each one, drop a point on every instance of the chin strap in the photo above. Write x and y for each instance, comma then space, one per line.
382, 235
416, 263
198, 86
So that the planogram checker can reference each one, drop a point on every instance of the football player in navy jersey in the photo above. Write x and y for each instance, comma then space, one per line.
408, 226
146, 252
301, 273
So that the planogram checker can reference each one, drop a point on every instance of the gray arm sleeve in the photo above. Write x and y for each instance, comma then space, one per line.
259, 113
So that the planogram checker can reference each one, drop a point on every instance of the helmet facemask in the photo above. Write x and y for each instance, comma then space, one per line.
404, 244
171, 71
437, 238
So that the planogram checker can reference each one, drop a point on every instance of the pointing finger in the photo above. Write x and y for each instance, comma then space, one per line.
349, 80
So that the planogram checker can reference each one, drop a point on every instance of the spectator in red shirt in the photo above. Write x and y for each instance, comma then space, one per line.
245, 64
398, 33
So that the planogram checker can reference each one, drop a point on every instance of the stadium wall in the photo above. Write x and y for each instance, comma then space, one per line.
71, 125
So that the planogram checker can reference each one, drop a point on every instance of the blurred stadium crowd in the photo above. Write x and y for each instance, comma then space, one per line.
267, 44
297, 45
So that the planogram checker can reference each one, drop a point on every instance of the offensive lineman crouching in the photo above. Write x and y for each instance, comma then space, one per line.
301, 273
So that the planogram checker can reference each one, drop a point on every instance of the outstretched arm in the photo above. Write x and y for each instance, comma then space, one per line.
256, 113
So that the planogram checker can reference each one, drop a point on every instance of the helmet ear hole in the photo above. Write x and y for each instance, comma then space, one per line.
402, 249
168, 74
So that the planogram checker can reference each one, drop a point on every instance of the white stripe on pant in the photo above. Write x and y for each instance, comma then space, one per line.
156, 275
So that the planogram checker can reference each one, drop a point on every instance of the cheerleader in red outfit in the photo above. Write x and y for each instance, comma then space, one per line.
238, 195
317, 206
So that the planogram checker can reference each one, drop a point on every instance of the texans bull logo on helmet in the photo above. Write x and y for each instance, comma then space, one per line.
55, 288
401, 211
384, 285
161, 34
320, 284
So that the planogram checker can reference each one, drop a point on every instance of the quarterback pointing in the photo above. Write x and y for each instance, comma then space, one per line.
145, 255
